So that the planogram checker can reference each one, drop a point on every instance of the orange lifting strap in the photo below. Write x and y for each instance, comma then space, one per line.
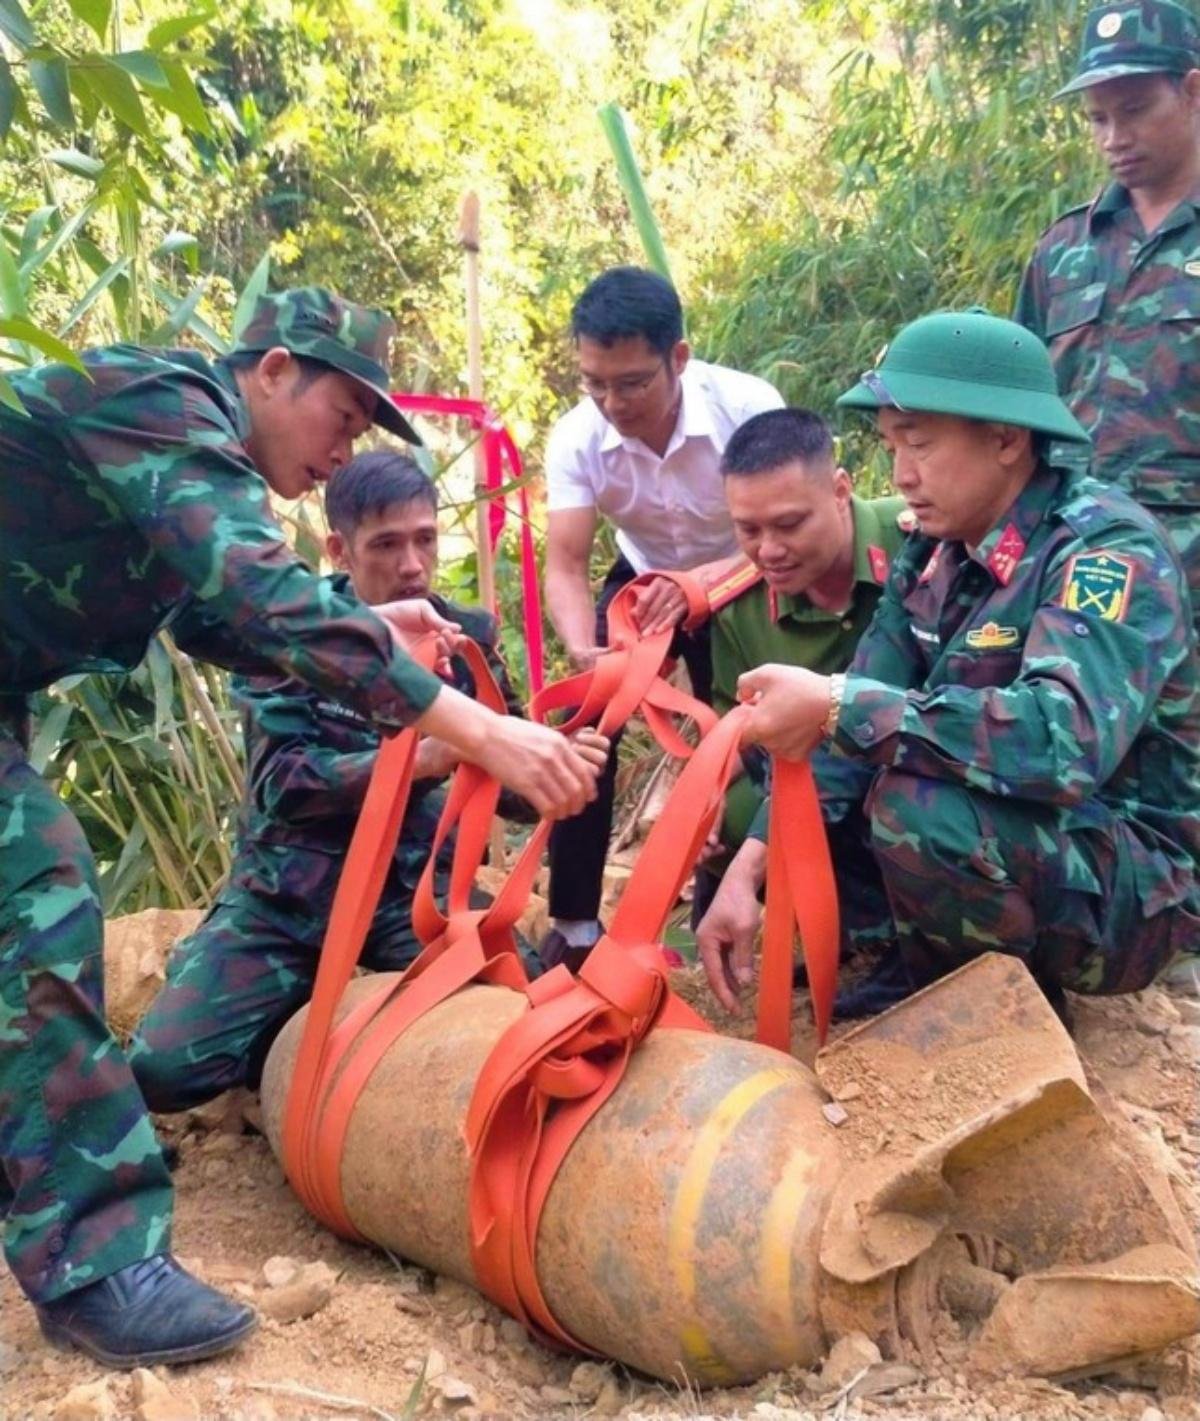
562, 1059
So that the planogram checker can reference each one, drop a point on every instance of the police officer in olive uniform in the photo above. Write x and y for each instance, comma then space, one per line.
252, 962
135, 498
816, 558
1114, 285
1023, 712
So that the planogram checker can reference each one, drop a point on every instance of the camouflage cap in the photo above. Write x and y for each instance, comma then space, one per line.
1137, 37
313, 322
970, 364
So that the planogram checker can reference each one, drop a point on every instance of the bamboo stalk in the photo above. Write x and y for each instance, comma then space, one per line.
203, 703
616, 130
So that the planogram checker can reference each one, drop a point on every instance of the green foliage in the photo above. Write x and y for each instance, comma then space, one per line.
949, 157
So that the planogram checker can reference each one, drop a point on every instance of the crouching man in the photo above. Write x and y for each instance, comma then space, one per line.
251, 964
1022, 711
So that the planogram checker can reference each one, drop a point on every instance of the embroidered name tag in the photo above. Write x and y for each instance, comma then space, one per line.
1191, 268
929, 638
1098, 584
992, 637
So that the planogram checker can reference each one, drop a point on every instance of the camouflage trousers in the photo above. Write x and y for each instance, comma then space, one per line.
248, 967
83, 1185
251, 965
948, 873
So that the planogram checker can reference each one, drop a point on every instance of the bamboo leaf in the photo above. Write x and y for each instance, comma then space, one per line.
50, 728
94, 13
168, 31
34, 229
65, 233
179, 317
14, 22
9, 396
176, 242
255, 287
183, 99
115, 90
93, 293
49, 78
145, 67
83, 165
8, 98
12, 287
20, 328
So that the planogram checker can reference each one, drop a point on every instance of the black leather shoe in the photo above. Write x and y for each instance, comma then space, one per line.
148, 1313
888, 983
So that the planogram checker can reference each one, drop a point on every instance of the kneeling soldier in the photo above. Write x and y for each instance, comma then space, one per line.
252, 962
1023, 710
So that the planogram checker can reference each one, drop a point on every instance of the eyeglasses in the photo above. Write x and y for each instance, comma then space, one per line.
626, 387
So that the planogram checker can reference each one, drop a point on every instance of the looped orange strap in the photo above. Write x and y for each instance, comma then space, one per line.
558, 1063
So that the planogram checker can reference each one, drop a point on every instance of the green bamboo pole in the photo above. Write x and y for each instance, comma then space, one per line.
612, 120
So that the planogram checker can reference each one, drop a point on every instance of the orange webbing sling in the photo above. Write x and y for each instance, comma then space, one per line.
570, 1049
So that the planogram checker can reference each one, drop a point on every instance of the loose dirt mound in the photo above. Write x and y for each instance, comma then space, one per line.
347, 1331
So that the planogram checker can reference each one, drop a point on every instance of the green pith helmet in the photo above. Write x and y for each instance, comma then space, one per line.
313, 322
1137, 37
971, 364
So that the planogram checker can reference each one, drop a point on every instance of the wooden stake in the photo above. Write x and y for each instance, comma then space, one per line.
468, 239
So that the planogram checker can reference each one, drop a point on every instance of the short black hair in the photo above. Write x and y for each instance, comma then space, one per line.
625, 302
310, 370
776, 437
370, 484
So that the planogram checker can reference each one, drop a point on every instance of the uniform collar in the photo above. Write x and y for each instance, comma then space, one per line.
1114, 199
694, 420
1002, 548
228, 382
870, 569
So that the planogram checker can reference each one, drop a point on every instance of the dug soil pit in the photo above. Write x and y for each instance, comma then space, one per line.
347, 1331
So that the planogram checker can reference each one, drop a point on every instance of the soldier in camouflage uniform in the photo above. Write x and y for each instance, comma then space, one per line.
1114, 285
252, 962
1023, 710
135, 497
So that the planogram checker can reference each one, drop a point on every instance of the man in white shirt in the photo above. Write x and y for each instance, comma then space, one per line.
644, 451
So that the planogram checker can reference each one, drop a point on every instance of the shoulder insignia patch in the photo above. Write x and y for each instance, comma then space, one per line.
740, 579
879, 563
1099, 584
992, 637
906, 520
1005, 556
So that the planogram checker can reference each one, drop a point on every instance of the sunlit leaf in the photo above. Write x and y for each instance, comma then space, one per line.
8, 98
83, 165
115, 90
20, 328
255, 287
168, 31
94, 13
14, 22
145, 67
49, 78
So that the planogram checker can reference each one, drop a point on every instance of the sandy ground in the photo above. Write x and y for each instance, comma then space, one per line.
387, 1340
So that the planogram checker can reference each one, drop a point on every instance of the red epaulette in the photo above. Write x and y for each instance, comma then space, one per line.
738, 580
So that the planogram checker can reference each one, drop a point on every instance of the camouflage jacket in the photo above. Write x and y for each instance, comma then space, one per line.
1120, 312
309, 758
1055, 663
129, 504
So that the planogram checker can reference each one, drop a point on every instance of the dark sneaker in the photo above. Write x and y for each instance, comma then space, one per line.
555, 951
149, 1313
